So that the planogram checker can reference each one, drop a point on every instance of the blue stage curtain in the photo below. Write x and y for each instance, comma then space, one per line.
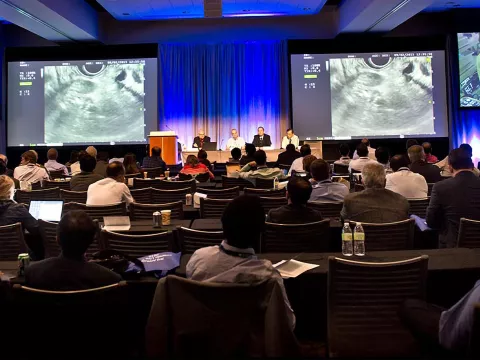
217, 87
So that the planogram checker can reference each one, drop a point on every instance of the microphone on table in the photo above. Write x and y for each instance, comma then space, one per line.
221, 142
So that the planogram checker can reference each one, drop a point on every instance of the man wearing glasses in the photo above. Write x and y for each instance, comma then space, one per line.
199, 140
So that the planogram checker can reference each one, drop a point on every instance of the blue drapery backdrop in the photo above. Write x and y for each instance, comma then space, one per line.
223, 86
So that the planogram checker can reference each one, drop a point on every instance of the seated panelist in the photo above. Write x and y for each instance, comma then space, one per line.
261, 139
199, 140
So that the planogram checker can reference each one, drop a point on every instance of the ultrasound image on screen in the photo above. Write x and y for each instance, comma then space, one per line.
469, 63
94, 103
371, 99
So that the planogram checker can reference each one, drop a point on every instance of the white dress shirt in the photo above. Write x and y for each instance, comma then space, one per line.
235, 143
53, 165
297, 165
107, 192
371, 154
30, 173
294, 140
75, 168
408, 184
359, 163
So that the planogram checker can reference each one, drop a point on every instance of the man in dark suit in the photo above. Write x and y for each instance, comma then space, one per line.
296, 212
454, 198
261, 139
70, 271
375, 204
288, 156
418, 165
199, 140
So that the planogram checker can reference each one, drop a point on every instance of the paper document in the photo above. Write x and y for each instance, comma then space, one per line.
116, 223
293, 268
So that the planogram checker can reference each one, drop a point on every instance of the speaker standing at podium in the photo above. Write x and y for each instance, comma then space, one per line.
199, 140
262, 139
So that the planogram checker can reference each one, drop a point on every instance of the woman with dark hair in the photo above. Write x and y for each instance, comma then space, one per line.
193, 167
202, 158
73, 158
249, 156
130, 164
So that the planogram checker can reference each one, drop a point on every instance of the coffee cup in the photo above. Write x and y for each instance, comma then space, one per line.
166, 215
167, 174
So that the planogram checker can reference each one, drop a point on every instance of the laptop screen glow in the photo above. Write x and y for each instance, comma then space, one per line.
48, 210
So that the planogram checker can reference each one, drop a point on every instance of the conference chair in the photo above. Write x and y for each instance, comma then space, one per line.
138, 245
388, 236
340, 169
363, 303
284, 167
176, 185
205, 177
25, 197
37, 185
212, 208
98, 211
245, 321
419, 207
296, 238
264, 183
48, 184
146, 183
73, 196
153, 173
143, 196
168, 196
56, 174
48, 230
228, 182
192, 240
269, 203
231, 193
266, 193
12, 242
145, 211
430, 187
468, 234
329, 210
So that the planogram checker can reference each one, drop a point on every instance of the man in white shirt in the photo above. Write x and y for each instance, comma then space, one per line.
111, 190
52, 164
290, 138
235, 141
362, 160
371, 151
28, 170
297, 164
405, 182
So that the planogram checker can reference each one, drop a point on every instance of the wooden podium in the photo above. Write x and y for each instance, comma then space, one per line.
167, 141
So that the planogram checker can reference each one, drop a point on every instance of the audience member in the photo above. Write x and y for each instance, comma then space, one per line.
111, 190
52, 164
344, 151
307, 161
28, 171
261, 172
236, 154
371, 151
429, 157
202, 158
4, 171
249, 156
418, 165
299, 191
234, 260
130, 164
288, 156
8, 172
73, 158
443, 165
154, 161
375, 204
323, 189
194, 168
102, 163
362, 160
92, 152
410, 143
86, 177
70, 271
454, 198
383, 158
297, 164
405, 182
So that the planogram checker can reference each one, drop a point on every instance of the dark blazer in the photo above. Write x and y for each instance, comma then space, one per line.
375, 206
430, 172
62, 273
259, 143
287, 158
451, 200
294, 214
197, 141
82, 181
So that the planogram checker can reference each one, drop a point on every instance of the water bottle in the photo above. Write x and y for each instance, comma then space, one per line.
359, 240
347, 239
275, 183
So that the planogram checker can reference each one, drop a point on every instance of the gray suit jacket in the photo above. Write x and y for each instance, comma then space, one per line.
375, 206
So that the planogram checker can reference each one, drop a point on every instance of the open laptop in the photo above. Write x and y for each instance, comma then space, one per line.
209, 146
48, 210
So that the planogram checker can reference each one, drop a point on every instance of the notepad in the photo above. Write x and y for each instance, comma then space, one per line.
292, 268
116, 223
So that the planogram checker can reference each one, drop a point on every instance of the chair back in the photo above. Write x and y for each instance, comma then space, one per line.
231, 193
184, 177
430, 187
177, 185
138, 245
146, 183
142, 196
363, 303
48, 230
25, 197
269, 203
56, 174
284, 238
98, 211
264, 183
329, 210
212, 208
192, 240
468, 234
12, 242
133, 176
73, 196
266, 193
49, 184
228, 182
145, 211
202, 177
419, 207
153, 173
169, 196
388, 236
340, 169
